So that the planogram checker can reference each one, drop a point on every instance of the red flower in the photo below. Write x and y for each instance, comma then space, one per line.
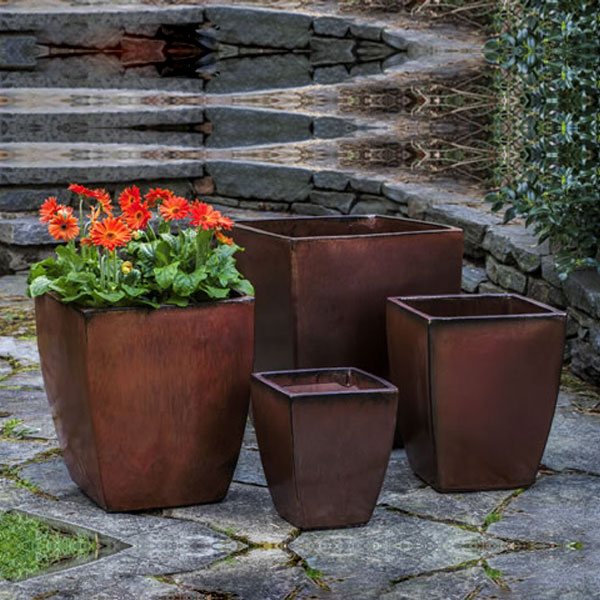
137, 215
110, 233
174, 208
49, 209
104, 200
205, 216
153, 196
82, 190
223, 239
129, 195
63, 225
224, 222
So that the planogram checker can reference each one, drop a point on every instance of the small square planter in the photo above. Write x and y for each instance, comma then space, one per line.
478, 377
149, 405
322, 282
325, 437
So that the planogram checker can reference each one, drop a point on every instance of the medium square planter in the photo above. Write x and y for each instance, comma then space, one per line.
478, 377
325, 438
149, 405
322, 282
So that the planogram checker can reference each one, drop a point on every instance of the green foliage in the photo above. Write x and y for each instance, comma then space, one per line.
546, 125
28, 545
14, 428
493, 517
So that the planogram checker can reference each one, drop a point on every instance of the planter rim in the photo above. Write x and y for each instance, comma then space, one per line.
90, 310
549, 311
263, 377
437, 228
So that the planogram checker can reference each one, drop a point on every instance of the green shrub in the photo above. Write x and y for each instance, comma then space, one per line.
546, 124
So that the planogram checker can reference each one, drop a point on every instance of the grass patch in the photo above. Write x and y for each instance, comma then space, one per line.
28, 545
17, 322
14, 475
492, 518
14, 429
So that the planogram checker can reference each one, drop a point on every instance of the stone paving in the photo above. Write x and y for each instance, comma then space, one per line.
538, 543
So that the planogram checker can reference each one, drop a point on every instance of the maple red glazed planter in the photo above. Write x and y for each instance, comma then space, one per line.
322, 283
325, 437
149, 405
478, 377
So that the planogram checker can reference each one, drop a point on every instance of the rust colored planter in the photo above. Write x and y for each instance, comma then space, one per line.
322, 282
149, 405
478, 377
325, 438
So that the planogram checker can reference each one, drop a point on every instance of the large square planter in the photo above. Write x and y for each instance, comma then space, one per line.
322, 282
325, 438
149, 405
478, 377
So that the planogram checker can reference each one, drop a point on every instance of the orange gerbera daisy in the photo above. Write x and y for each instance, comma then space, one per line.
137, 215
129, 195
110, 233
224, 222
174, 208
49, 209
224, 239
82, 190
204, 215
63, 225
104, 200
153, 196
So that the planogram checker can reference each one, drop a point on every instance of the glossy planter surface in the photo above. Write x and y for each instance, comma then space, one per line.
478, 377
149, 405
325, 438
322, 282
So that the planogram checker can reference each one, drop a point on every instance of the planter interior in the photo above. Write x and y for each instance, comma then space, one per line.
321, 284
149, 405
325, 437
478, 378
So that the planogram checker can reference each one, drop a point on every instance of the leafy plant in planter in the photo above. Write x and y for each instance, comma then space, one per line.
123, 261
146, 344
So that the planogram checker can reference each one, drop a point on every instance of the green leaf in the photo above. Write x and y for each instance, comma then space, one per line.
186, 284
109, 297
215, 292
244, 287
178, 301
165, 276
39, 286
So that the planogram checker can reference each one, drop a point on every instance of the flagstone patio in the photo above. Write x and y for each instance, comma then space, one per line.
539, 543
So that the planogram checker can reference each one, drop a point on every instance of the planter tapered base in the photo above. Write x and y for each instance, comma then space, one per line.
325, 438
149, 405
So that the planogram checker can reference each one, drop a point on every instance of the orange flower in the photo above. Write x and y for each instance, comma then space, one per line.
82, 190
129, 195
224, 222
110, 233
94, 213
49, 209
63, 225
137, 215
174, 208
224, 239
205, 216
153, 196
104, 200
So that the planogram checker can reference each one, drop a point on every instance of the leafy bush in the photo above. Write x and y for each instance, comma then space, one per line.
546, 124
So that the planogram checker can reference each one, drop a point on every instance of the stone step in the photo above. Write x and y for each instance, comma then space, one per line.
218, 127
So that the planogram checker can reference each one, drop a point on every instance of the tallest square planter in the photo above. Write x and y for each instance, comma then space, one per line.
322, 282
